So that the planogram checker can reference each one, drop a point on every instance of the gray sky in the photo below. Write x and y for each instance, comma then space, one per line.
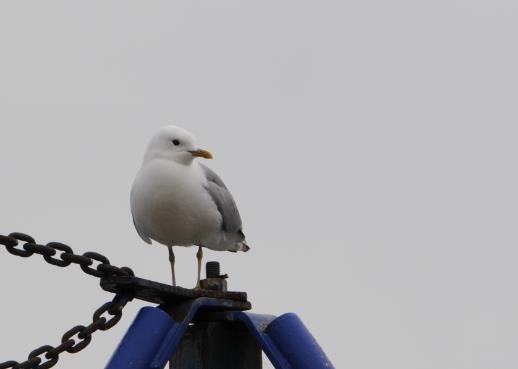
370, 145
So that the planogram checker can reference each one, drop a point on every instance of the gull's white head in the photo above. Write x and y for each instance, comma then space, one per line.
174, 143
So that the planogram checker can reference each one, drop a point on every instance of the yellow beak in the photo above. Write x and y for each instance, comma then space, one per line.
201, 153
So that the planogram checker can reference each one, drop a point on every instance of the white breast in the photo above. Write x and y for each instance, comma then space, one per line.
170, 205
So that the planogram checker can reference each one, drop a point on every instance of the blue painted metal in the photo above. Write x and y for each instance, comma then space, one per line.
285, 340
299, 347
145, 335
154, 336
257, 324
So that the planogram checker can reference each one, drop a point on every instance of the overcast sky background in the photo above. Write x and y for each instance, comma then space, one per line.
371, 147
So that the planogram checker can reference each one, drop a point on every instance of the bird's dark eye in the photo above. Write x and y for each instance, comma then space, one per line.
176, 142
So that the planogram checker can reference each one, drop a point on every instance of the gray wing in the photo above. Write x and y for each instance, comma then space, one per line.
231, 221
145, 238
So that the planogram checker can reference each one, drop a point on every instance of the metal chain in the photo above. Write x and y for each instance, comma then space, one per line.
79, 336
66, 255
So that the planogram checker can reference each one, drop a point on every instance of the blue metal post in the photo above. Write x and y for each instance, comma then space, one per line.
285, 340
298, 346
142, 340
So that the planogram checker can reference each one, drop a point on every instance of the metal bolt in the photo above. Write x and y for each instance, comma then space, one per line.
212, 269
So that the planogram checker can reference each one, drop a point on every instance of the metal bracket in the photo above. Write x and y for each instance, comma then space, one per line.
160, 293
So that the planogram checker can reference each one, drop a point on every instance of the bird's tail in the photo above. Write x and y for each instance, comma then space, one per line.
242, 246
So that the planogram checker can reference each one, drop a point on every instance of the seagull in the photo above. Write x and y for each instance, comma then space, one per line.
178, 201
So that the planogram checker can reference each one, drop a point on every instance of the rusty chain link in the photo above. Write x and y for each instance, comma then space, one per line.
78, 337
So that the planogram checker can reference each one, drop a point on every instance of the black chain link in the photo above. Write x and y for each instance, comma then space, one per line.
66, 255
79, 336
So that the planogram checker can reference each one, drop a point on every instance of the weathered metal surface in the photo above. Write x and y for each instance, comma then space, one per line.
183, 314
217, 345
214, 281
214, 284
161, 293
